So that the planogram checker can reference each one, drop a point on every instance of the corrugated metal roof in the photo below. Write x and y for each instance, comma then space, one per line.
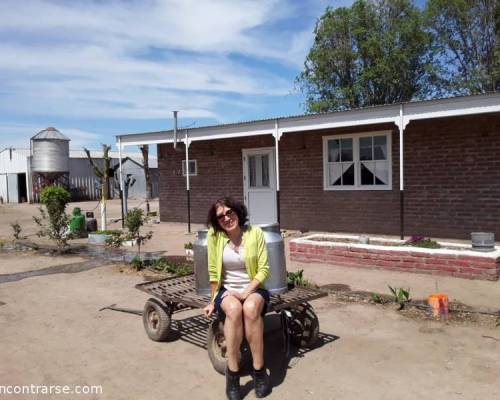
50, 133
309, 115
153, 162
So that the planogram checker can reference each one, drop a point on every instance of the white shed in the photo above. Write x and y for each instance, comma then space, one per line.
15, 175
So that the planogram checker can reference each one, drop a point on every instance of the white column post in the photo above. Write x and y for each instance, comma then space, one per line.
187, 143
277, 137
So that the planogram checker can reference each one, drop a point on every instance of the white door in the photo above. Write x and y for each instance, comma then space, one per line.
259, 185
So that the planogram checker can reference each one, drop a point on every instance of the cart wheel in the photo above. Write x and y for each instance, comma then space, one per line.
216, 346
304, 326
156, 319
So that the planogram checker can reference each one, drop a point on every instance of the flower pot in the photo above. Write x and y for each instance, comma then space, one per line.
98, 238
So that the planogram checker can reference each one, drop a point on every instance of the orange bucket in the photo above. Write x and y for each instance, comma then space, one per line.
438, 304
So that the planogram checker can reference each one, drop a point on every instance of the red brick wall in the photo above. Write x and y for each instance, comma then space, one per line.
452, 180
457, 265
452, 172
220, 173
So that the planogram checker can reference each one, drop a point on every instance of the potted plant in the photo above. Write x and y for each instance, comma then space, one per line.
101, 237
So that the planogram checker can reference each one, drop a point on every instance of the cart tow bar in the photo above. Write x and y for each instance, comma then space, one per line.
113, 307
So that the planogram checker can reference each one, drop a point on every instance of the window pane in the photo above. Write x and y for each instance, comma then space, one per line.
265, 170
380, 147
365, 148
346, 149
192, 167
367, 173
382, 173
334, 174
348, 175
252, 171
334, 150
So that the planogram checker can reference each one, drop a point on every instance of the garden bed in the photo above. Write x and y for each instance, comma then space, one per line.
451, 259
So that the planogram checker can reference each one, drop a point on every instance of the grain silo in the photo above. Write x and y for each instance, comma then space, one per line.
49, 160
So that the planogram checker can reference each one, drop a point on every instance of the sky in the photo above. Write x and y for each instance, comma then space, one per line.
98, 68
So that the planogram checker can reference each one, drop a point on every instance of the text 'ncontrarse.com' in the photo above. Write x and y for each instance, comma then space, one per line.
49, 389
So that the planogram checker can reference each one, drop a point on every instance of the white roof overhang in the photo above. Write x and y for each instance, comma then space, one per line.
399, 114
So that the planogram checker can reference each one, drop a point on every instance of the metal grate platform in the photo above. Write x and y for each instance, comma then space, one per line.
181, 290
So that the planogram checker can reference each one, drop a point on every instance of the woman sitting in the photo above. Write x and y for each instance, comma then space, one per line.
237, 268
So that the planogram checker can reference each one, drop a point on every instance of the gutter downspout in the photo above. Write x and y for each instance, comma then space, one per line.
401, 174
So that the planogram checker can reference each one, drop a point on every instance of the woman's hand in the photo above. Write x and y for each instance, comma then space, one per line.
232, 293
209, 310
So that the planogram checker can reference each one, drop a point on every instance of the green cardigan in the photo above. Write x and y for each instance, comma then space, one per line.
255, 254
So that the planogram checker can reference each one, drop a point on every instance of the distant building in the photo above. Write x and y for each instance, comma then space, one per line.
16, 185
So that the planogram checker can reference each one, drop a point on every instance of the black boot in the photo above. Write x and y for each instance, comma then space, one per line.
261, 382
233, 385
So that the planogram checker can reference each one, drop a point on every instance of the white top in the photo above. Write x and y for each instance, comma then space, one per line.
235, 274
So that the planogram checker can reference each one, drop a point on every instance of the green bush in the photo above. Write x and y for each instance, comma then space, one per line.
164, 265
401, 296
53, 220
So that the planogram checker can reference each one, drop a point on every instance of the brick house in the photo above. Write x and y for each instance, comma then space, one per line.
429, 167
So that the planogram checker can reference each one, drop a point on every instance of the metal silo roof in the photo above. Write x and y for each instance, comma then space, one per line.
50, 133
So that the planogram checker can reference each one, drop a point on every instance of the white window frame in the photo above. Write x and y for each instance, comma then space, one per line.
357, 164
195, 167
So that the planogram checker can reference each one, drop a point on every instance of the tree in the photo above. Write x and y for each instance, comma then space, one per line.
102, 173
375, 52
467, 35
147, 175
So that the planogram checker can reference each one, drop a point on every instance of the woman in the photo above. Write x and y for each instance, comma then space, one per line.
237, 268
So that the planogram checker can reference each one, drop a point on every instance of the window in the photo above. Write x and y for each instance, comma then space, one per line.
357, 162
193, 168
258, 171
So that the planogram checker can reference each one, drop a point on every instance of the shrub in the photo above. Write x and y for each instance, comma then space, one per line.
53, 220
421, 241
16, 231
297, 279
401, 296
164, 265
188, 246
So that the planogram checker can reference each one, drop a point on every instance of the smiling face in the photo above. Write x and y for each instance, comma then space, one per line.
227, 218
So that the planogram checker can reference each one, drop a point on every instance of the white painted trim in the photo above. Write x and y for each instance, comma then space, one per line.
183, 167
357, 177
441, 108
397, 246
244, 155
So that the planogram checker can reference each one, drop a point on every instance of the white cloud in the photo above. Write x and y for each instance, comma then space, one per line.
141, 59
18, 136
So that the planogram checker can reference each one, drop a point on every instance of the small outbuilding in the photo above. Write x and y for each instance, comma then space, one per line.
24, 170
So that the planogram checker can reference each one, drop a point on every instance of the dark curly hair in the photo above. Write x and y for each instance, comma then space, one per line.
238, 207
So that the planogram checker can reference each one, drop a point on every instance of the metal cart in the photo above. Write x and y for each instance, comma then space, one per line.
299, 322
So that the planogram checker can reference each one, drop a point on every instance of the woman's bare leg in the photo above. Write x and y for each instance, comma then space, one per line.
233, 330
254, 328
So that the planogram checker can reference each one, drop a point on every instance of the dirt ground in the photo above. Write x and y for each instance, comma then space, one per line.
52, 333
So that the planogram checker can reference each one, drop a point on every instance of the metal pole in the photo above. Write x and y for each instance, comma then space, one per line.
187, 182
401, 175
276, 141
122, 197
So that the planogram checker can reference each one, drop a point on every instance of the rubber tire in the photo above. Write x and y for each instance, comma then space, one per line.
156, 319
215, 338
304, 326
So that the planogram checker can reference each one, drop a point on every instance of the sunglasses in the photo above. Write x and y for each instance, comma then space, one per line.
228, 213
